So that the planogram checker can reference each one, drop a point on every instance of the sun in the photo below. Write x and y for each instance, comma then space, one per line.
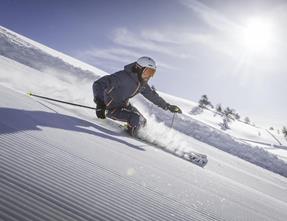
257, 35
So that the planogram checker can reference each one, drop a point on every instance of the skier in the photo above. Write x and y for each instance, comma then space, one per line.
112, 93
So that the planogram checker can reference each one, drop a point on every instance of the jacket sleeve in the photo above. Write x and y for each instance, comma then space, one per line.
104, 85
152, 96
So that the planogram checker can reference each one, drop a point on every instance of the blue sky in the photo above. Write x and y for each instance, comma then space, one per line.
201, 47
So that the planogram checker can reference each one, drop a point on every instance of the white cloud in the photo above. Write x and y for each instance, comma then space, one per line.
129, 39
173, 43
210, 16
115, 57
112, 54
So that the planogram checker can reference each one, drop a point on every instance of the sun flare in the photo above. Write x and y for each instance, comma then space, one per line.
257, 35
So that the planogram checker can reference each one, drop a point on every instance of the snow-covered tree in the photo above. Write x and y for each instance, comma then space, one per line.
225, 125
219, 108
233, 114
247, 120
229, 113
204, 102
271, 128
237, 116
284, 131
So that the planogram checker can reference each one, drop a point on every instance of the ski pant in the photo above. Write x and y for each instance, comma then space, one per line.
127, 114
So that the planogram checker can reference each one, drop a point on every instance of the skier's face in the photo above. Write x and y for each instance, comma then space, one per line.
147, 74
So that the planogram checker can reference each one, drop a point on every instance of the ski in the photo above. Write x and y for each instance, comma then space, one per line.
191, 156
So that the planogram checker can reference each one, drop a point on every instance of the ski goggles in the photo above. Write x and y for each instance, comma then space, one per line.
149, 72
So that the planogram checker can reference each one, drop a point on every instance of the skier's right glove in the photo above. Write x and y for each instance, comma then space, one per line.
101, 108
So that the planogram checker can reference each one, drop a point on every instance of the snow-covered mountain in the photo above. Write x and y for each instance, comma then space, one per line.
60, 162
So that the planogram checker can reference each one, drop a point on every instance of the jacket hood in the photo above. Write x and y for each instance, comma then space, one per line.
129, 67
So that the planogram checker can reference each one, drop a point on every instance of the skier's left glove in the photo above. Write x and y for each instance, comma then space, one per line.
174, 109
101, 108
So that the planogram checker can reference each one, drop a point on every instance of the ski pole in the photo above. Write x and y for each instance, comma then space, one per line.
60, 101
172, 120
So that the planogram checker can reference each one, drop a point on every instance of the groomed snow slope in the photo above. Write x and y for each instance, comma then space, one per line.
56, 165
30, 66
61, 163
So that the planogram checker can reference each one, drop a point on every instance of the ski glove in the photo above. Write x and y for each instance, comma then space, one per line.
174, 109
101, 108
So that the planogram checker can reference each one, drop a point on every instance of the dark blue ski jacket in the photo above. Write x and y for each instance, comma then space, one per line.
116, 89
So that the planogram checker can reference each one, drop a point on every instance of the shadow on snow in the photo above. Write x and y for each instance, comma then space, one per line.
16, 120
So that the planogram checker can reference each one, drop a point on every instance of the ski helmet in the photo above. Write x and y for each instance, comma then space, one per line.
146, 62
